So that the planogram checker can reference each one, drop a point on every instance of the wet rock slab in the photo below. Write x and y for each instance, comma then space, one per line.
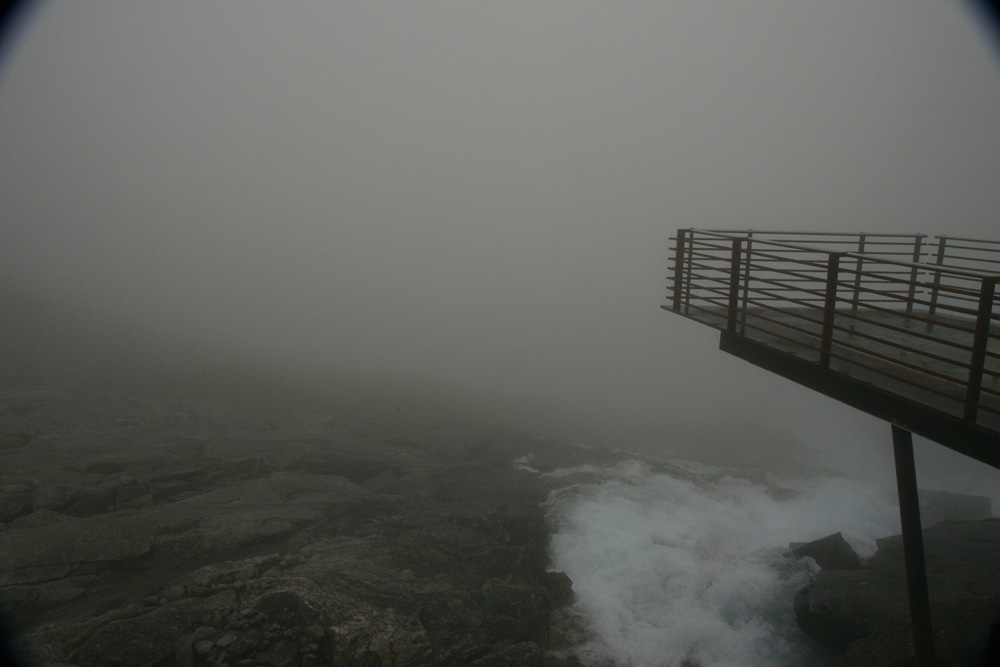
145, 533
862, 615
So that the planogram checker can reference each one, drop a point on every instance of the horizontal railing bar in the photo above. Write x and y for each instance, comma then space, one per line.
903, 363
815, 281
776, 243
905, 251
909, 381
708, 311
809, 333
819, 296
940, 305
988, 408
699, 254
955, 285
873, 258
709, 267
794, 341
802, 315
848, 285
800, 296
819, 301
992, 391
802, 272
789, 274
950, 307
983, 254
888, 296
806, 233
899, 346
930, 268
910, 332
917, 317
962, 238
708, 278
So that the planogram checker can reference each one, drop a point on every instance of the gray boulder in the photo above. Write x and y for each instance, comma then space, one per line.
56, 550
863, 615
15, 501
830, 553
39, 518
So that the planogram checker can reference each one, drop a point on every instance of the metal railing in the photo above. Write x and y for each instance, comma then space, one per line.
900, 308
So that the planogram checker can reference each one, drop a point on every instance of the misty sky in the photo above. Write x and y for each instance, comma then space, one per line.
478, 192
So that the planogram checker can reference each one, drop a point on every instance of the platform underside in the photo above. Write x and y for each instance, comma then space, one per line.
881, 364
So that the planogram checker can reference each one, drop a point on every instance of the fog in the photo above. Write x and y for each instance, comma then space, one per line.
481, 194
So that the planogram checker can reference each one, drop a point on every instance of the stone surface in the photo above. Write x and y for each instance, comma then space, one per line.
152, 532
830, 553
40, 517
863, 615
187, 534
15, 501
526, 654
35, 554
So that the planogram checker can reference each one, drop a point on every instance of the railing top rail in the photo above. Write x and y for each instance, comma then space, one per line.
933, 268
744, 232
870, 257
783, 244
963, 238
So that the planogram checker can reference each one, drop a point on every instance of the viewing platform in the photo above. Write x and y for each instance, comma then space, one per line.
901, 326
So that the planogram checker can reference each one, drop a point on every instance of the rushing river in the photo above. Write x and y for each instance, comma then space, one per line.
685, 565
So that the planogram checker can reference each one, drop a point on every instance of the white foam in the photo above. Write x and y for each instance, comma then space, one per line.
681, 571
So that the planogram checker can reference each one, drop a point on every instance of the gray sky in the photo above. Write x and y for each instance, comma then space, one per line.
480, 192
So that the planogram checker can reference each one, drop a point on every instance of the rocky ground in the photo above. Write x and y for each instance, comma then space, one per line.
155, 532
860, 610
141, 532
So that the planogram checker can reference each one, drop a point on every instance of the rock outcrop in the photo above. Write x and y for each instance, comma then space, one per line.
862, 615
830, 553
137, 533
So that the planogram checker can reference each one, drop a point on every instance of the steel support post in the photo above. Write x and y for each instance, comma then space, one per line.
913, 547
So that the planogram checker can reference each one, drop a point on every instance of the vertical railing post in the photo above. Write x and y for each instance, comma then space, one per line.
917, 252
913, 547
857, 276
679, 269
829, 308
978, 360
942, 242
689, 265
734, 285
746, 282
